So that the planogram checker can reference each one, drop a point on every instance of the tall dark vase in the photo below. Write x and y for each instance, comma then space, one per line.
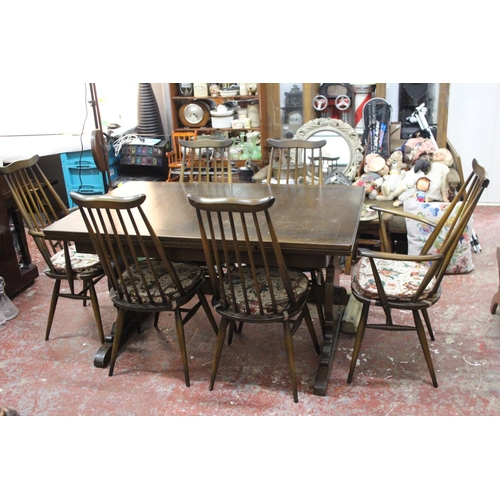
148, 114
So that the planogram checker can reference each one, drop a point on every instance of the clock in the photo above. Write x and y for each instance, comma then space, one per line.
194, 114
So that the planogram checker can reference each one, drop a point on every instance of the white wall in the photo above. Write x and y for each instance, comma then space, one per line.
474, 130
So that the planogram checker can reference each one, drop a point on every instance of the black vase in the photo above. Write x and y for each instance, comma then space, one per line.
148, 114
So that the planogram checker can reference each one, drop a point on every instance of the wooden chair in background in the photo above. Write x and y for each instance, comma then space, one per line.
246, 288
40, 206
299, 162
295, 161
174, 156
142, 280
206, 160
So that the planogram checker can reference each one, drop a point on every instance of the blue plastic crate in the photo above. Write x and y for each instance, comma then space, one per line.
76, 159
81, 174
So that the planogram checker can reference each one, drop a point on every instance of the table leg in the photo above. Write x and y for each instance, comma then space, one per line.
335, 299
103, 354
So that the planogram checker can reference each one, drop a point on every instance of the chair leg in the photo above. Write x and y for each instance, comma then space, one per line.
120, 320
310, 326
425, 314
425, 346
156, 318
97, 311
52, 308
182, 344
232, 328
86, 283
291, 358
218, 350
359, 339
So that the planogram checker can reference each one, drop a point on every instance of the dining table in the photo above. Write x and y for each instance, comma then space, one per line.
316, 226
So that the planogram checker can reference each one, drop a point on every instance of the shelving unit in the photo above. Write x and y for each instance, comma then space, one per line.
177, 101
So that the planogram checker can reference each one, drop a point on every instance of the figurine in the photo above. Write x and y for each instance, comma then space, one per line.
375, 168
252, 88
438, 174
422, 186
214, 89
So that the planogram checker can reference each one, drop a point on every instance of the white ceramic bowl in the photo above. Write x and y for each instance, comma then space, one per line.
228, 93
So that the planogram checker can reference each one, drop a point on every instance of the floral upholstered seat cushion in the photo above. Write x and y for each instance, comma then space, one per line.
400, 280
188, 274
80, 262
300, 284
461, 262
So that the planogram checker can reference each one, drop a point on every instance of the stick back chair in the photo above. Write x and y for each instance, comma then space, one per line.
298, 161
206, 160
295, 161
174, 157
248, 275
40, 206
142, 278
409, 282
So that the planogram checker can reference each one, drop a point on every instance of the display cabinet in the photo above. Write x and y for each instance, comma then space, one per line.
191, 107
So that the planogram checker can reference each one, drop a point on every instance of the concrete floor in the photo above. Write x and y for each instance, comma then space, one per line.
58, 377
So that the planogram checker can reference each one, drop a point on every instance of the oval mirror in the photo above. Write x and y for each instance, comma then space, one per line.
343, 148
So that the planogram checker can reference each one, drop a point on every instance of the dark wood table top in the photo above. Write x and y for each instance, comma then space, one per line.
312, 221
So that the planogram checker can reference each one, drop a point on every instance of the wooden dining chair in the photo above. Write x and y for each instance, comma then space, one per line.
300, 162
295, 161
142, 279
413, 282
174, 157
206, 160
248, 275
40, 205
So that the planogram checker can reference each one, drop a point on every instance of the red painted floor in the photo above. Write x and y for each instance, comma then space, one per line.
58, 377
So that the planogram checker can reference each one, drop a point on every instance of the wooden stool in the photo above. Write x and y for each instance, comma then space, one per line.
496, 298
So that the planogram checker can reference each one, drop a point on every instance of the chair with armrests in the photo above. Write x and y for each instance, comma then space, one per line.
206, 160
248, 275
413, 282
295, 161
142, 278
40, 206
174, 156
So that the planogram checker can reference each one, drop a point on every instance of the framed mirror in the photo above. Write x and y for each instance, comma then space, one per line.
343, 147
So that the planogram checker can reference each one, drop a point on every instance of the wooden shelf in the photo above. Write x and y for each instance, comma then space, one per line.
177, 101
